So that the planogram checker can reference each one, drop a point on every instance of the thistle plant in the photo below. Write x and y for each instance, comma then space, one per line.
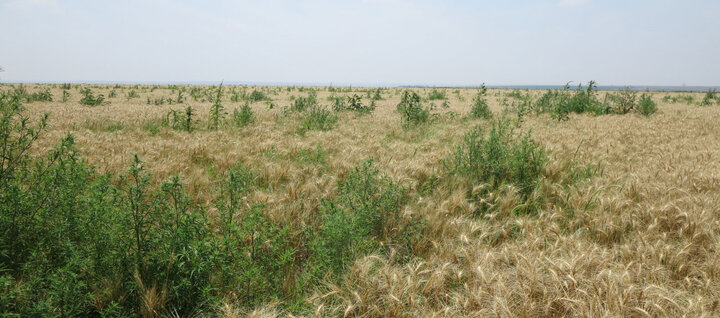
217, 111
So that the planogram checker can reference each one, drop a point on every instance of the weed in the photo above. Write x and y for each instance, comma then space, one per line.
707, 100
646, 106
318, 118
244, 116
497, 158
300, 104
480, 107
217, 111
132, 94
317, 155
65, 96
90, 99
181, 121
257, 96
437, 95
411, 110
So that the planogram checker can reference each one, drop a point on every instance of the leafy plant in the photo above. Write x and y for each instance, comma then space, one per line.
300, 104
707, 100
318, 118
480, 107
65, 96
90, 99
257, 96
181, 120
244, 116
646, 106
217, 111
490, 160
367, 206
411, 110
132, 94
437, 95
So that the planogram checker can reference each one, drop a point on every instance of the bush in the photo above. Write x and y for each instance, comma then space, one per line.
411, 110
257, 96
561, 103
366, 205
646, 106
624, 101
318, 118
217, 111
497, 158
300, 104
181, 121
436, 95
480, 107
710, 95
90, 99
244, 116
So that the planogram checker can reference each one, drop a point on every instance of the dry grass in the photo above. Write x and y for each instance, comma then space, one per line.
638, 239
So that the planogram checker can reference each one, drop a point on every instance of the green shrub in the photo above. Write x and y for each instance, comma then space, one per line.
318, 155
301, 104
132, 94
217, 111
181, 121
497, 158
318, 118
353, 103
411, 110
480, 107
339, 103
366, 204
42, 96
559, 104
65, 96
244, 116
709, 97
90, 99
646, 106
437, 95
257, 96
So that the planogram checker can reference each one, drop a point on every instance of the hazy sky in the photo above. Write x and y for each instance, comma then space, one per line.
383, 42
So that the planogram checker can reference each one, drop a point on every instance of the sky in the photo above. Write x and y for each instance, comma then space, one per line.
362, 42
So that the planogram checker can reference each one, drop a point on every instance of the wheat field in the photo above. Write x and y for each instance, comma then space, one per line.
638, 237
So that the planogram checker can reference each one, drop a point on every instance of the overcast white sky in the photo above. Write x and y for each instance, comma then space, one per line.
375, 42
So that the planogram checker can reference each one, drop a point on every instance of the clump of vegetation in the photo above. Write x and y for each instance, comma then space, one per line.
217, 111
480, 107
302, 103
317, 155
353, 103
500, 157
366, 211
132, 94
257, 96
685, 99
627, 101
65, 96
318, 118
437, 95
646, 106
377, 95
709, 97
90, 99
411, 110
623, 102
41, 96
559, 104
339, 103
244, 116
181, 120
